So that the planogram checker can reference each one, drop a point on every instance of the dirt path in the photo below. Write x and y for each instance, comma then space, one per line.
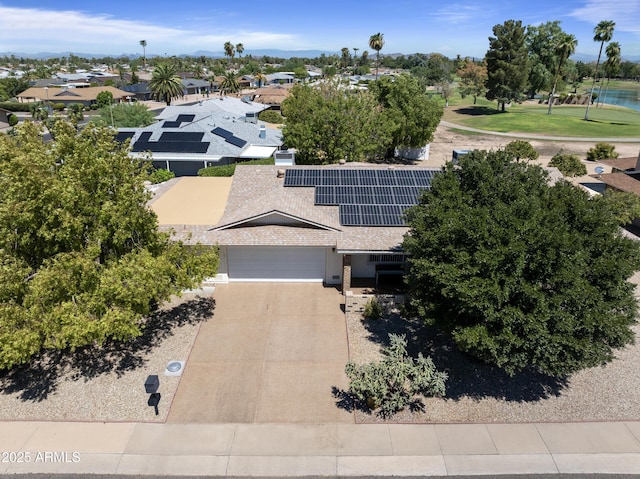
447, 139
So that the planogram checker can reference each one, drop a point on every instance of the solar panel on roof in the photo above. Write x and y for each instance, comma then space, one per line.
349, 177
293, 177
385, 177
350, 215
182, 136
122, 136
367, 177
404, 177
235, 141
145, 136
222, 132
171, 124
185, 118
325, 195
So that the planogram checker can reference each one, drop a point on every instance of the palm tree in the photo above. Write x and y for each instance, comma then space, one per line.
165, 84
376, 42
229, 83
143, 44
355, 56
239, 49
611, 66
564, 49
602, 33
261, 79
229, 50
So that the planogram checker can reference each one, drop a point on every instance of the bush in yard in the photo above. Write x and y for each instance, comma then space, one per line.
58, 106
394, 382
161, 175
13, 119
569, 165
602, 151
373, 310
271, 116
521, 150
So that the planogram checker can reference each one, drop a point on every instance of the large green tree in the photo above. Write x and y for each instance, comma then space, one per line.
473, 78
412, 115
521, 274
165, 84
542, 41
329, 123
507, 63
603, 32
81, 257
125, 115
565, 47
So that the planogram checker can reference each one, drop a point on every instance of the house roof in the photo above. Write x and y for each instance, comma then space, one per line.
225, 104
203, 131
621, 181
622, 164
261, 211
70, 94
272, 95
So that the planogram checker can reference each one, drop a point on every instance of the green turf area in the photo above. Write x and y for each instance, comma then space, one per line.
532, 117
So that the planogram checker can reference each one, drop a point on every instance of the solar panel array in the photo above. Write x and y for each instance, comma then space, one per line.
172, 142
229, 137
365, 197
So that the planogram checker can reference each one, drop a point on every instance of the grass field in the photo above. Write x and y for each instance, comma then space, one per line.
532, 117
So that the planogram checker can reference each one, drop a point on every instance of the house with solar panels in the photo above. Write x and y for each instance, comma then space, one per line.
215, 132
330, 224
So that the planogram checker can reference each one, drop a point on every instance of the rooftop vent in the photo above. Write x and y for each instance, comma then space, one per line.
263, 131
251, 117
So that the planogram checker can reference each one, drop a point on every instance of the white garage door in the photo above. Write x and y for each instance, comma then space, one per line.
276, 264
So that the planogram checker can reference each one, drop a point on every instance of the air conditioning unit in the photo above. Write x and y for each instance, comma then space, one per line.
284, 157
251, 117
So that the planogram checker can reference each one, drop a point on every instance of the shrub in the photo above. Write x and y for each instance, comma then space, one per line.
271, 116
602, 151
373, 310
161, 175
57, 106
14, 106
625, 206
13, 119
521, 149
393, 383
229, 170
569, 165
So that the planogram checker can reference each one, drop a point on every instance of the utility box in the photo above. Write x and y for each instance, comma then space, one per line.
152, 384
457, 154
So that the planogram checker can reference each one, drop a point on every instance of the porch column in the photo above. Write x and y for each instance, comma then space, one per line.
346, 273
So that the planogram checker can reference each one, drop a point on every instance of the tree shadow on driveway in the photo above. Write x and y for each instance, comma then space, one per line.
41, 376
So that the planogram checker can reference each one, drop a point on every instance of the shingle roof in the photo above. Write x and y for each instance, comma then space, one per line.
621, 163
621, 181
71, 94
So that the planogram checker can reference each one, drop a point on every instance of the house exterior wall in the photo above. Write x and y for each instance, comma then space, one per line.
361, 268
333, 273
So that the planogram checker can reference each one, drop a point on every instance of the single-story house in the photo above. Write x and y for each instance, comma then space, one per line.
327, 224
87, 96
214, 132
140, 91
272, 95
194, 86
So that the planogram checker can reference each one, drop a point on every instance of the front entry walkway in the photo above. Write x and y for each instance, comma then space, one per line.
271, 353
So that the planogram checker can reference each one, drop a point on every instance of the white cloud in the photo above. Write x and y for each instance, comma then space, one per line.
458, 13
625, 13
35, 30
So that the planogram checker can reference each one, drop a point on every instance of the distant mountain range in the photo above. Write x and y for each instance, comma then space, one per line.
256, 53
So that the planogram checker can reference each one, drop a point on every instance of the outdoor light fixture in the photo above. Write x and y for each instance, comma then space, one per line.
151, 386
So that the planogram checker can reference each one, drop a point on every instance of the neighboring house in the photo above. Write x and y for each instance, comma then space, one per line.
87, 96
280, 78
624, 176
328, 224
139, 91
215, 132
272, 95
193, 86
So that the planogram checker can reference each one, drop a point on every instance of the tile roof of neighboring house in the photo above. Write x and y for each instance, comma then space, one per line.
70, 94
621, 164
261, 211
621, 181
273, 94
230, 105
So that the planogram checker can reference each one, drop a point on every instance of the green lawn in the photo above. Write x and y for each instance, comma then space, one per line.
604, 122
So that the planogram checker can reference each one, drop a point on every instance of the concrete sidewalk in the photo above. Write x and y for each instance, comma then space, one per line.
319, 450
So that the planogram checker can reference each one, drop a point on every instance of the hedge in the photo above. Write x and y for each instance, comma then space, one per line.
15, 106
229, 170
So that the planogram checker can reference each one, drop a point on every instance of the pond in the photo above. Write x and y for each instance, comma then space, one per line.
627, 98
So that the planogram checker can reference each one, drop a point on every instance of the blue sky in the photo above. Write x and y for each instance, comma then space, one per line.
173, 27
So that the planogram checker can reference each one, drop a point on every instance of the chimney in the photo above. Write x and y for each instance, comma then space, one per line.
263, 131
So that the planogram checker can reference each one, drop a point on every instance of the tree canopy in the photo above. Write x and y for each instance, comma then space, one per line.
81, 257
330, 123
507, 63
521, 274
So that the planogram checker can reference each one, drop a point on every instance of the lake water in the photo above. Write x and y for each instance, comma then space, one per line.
628, 98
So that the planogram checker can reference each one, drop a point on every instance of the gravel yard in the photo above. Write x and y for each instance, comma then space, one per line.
107, 384
479, 393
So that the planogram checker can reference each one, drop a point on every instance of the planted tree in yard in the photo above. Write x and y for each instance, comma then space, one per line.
507, 63
125, 115
569, 165
393, 383
521, 150
81, 257
104, 98
521, 274
602, 33
376, 42
624, 205
602, 151
472, 80
565, 47
165, 84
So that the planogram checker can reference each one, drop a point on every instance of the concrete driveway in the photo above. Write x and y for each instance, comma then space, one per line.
271, 353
